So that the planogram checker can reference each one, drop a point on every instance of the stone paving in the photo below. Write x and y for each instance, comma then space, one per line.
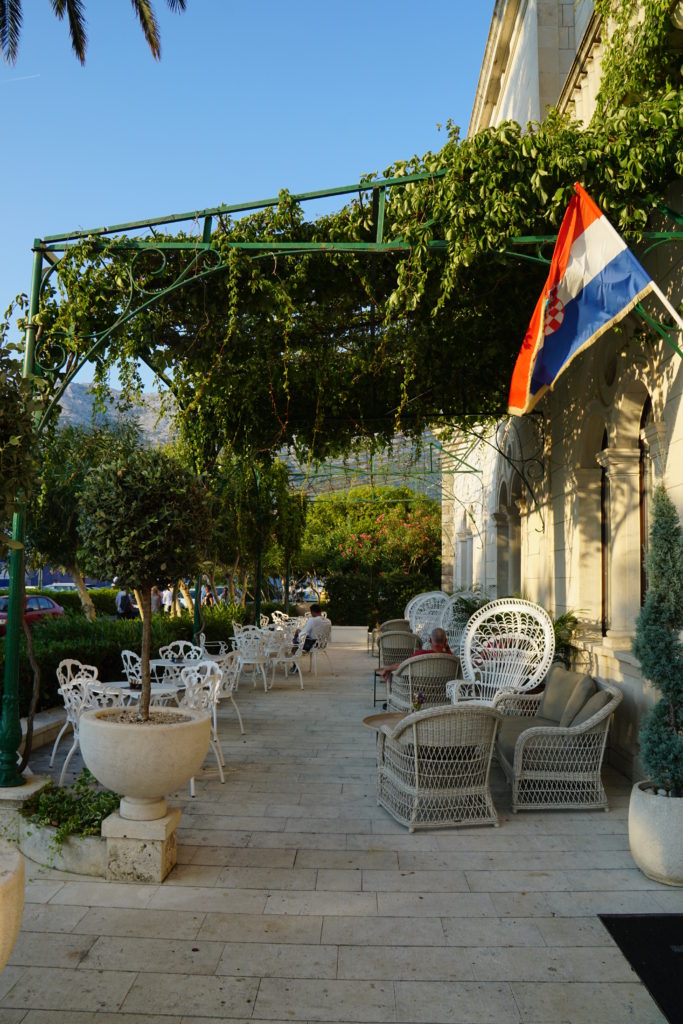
296, 898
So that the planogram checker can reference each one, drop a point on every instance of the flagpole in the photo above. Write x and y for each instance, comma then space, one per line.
667, 305
660, 328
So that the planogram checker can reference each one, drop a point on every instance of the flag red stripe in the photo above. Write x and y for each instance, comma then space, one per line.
580, 213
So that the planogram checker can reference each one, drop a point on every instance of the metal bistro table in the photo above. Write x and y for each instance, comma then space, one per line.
162, 693
169, 669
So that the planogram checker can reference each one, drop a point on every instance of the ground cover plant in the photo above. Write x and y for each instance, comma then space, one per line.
75, 810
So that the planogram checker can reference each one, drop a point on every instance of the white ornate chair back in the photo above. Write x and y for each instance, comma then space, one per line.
132, 666
425, 614
508, 645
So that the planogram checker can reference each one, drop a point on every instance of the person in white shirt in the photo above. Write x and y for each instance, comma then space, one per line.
167, 600
315, 629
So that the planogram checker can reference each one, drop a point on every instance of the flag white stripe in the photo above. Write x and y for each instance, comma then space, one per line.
589, 255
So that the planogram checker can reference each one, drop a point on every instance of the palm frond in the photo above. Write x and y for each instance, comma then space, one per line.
176, 5
150, 27
10, 28
75, 13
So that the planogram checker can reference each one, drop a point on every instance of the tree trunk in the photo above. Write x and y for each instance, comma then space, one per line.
188, 597
231, 580
288, 573
86, 599
146, 691
245, 582
175, 610
139, 602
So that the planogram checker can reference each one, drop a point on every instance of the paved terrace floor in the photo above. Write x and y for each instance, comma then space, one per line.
298, 899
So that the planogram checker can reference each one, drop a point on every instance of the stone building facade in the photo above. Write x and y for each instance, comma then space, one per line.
557, 509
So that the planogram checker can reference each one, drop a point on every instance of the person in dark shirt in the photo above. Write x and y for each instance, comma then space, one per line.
439, 645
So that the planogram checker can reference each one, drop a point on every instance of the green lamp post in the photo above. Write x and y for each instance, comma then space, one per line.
10, 722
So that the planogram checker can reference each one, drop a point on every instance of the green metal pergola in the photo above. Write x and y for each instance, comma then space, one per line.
204, 261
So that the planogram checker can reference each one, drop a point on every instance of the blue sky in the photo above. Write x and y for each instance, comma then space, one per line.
247, 99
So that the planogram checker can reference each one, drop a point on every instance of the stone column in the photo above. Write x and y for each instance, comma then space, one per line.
588, 531
622, 465
500, 521
514, 550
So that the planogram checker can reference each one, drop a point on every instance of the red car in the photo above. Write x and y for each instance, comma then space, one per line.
37, 607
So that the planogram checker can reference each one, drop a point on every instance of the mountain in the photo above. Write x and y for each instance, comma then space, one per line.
78, 409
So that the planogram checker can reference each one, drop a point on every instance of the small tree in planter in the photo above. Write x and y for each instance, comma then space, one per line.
655, 825
144, 519
658, 647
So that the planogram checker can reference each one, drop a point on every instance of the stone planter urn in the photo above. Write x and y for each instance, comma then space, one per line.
655, 834
144, 760
11, 898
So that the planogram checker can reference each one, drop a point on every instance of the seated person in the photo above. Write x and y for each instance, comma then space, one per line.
315, 629
438, 645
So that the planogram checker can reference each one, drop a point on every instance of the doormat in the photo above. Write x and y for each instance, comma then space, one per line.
653, 945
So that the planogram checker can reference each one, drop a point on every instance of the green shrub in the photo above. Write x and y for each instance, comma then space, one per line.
219, 618
104, 599
364, 599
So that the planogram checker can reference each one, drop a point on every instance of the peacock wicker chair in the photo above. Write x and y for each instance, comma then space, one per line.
507, 645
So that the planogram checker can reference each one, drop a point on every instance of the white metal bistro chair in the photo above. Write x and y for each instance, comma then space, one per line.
250, 654
507, 645
319, 646
78, 697
132, 667
229, 666
184, 649
67, 670
286, 657
202, 684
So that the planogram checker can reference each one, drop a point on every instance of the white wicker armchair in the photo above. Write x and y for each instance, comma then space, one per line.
553, 766
394, 646
425, 674
433, 767
507, 645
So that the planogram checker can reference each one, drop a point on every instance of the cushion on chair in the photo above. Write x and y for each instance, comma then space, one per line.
596, 703
584, 689
559, 684
510, 730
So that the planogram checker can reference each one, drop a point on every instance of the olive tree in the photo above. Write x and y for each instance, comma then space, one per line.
144, 519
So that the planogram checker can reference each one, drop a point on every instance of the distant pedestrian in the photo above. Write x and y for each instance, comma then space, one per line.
167, 600
156, 600
124, 608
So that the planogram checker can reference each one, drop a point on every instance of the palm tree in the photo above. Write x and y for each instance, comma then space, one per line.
10, 25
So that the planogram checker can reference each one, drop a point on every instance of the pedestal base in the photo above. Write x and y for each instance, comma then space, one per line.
141, 851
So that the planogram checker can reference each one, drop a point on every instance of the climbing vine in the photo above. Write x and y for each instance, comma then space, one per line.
638, 53
318, 349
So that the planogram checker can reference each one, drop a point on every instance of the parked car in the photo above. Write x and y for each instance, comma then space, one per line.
37, 607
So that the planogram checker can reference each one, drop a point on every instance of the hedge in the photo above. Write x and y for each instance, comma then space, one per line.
100, 643
364, 599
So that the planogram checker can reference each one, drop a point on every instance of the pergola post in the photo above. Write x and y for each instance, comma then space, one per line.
10, 722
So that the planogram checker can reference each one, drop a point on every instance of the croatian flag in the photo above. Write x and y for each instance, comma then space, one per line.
594, 281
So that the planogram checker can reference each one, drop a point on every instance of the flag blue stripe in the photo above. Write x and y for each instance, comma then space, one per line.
599, 302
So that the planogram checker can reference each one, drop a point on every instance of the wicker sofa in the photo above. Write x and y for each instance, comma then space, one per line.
551, 744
